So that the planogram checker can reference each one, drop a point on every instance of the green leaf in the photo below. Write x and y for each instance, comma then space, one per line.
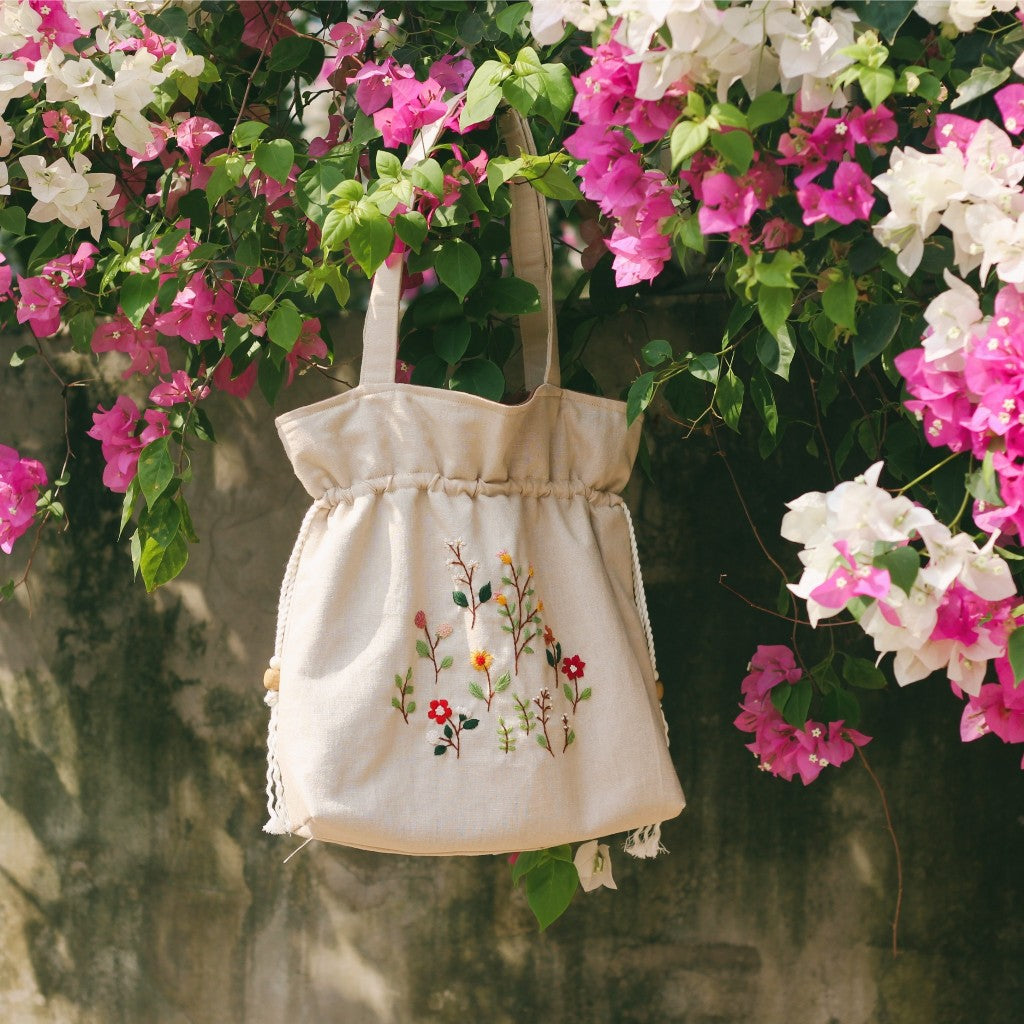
371, 240
460, 599
512, 296
776, 352
12, 220
737, 147
470, 723
556, 94
314, 186
452, 340
485, 594
156, 469
448, 731
841, 706
275, 159
983, 483
641, 392
729, 399
550, 888
902, 564
567, 690
441, 748
21, 355
980, 81
411, 228
291, 52
1015, 649
247, 133
863, 674
503, 682
447, 661
484, 93
885, 15
774, 305
764, 402
876, 83
410, 707
526, 862
137, 292
160, 564
422, 649
161, 521
458, 266
172, 23
82, 325
704, 366
218, 185
874, 332
477, 691
285, 326
766, 108
337, 227
512, 17
799, 703
839, 301
585, 695
687, 138
780, 698
479, 377
656, 352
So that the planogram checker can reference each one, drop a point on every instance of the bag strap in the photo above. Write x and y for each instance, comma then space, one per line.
531, 260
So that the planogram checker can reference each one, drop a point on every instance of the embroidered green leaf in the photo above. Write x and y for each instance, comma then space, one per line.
508, 629
460, 599
528, 650
398, 681
571, 738
503, 683
542, 741
485, 593
395, 703
477, 691
411, 708
567, 690
585, 695
551, 658
506, 580
446, 662
448, 731
422, 649
471, 723
440, 748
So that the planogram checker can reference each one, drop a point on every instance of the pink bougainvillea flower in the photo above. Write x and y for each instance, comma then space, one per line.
114, 428
573, 667
771, 665
240, 385
72, 267
39, 305
1010, 101
727, 204
197, 313
180, 388
851, 580
120, 335
20, 479
375, 82
872, 127
265, 22
439, 711
416, 104
309, 346
194, 133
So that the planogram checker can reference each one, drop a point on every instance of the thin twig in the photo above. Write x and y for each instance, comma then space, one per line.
896, 848
778, 615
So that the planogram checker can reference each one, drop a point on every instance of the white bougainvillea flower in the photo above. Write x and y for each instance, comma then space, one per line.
12, 82
953, 316
594, 865
82, 82
73, 195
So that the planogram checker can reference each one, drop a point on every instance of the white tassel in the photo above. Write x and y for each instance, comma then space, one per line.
277, 815
645, 842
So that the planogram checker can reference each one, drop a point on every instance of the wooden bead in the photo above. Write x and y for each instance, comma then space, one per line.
659, 689
272, 679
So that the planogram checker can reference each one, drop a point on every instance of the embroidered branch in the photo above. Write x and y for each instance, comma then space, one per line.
428, 648
404, 688
464, 572
481, 662
522, 614
553, 652
452, 726
543, 702
506, 737
572, 669
568, 734
527, 719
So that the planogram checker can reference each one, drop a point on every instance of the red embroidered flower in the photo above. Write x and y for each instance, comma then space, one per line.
439, 711
420, 620
573, 667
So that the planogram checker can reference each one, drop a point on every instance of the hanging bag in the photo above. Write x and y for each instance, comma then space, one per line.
464, 663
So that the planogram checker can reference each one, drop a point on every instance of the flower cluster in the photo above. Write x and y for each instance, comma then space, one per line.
115, 429
997, 709
952, 613
20, 479
783, 749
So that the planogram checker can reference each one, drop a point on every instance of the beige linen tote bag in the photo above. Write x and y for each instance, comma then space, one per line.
464, 663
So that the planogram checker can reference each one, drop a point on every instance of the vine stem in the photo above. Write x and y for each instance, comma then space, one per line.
896, 849
778, 615
927, 473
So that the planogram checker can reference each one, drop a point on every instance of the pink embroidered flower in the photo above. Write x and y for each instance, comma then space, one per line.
444, 632
19, 480
420, 620
573, 667
439, 711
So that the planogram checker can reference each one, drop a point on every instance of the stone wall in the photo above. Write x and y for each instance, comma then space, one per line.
136, 885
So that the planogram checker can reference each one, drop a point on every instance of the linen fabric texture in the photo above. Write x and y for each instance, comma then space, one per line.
463, 665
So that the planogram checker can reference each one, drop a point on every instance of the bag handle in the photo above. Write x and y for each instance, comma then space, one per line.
531, 260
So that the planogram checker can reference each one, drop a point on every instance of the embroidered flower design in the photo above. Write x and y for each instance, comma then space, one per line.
439, 711
573, 667
427, 648
420, 620
505, 558
444, 632
470, 598
481, 660
520, 609
549, 637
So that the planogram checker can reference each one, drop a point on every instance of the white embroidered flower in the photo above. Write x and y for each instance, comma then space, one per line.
594, 865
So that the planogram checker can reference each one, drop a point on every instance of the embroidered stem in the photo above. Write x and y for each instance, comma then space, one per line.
527, 719
543, 702
404, 688
506, 737
521, 613
451, 737
568, 734
427, 648
467, 570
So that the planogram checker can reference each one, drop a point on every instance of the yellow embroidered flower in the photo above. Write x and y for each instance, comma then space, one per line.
506, 558
502, 600
530, 572
540, 606
481, 660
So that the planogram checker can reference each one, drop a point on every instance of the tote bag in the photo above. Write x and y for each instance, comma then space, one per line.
464, 663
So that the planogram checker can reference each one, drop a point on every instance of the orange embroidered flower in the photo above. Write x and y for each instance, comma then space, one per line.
549, 637
481, 660
506, 558
502, 600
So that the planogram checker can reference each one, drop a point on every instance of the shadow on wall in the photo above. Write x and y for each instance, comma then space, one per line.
136, 885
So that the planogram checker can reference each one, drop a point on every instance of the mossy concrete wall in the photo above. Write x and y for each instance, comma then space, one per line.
136, 885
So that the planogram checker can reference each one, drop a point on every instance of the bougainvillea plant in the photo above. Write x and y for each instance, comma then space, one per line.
189, 191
